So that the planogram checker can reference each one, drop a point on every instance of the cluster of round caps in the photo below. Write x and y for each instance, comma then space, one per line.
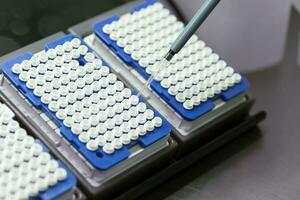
146, 34
195, 84
90, 100
25, 169
194, 75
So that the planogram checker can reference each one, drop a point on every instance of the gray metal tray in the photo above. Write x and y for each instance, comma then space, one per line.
184, 131
94, 180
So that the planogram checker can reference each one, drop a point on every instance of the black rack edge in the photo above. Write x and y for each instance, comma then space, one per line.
192, 158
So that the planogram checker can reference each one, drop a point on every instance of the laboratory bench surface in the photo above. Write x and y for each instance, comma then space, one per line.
263, 164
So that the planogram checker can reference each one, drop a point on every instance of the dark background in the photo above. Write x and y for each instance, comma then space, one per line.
25, 21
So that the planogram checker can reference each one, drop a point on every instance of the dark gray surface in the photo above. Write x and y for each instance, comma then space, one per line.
264, 165
23, 22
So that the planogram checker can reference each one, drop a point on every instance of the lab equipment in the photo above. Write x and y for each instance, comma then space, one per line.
196, 76
95, 111
146, 166
95, 182
27, 169
200, 16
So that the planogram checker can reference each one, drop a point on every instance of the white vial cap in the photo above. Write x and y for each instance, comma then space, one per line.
20, 134
59, 50
118, 108
67, 57
118, 120
134, 100
40, 80
101, 140
141, 107
96, 74
77, 117
134, 111
117, 143
125, 139
202, 96
85, 124
180, 97
125, 127
157, 121
188, 104
61, 174
52, 165
52, 180
109, 136
46, 98
107, 29
83, 49
43, 57
36, 149
76, 128
165, 83
141, 118
101, 128
84, 137
17, 69
54, 106
134, 123
28, 141
26, 65
59, 61
237, 77
173, 90
149, 126
126, 92
24, 76
134, 134
51, 53
196, 100
44, 158
76, 42
149, 114
112, 78
75, 53
92, 145
126, 104
89, 57
104, 71
31, 84
108, 148
49, 76
93, 132
89, 67
71, 98
97, 63
102, 116
62, 101
67, 46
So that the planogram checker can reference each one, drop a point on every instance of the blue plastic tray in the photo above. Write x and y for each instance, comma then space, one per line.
99, 159
61, 187
189, 115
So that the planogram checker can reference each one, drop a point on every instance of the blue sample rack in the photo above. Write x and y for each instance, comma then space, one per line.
189, 115
99, 159
61, 187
